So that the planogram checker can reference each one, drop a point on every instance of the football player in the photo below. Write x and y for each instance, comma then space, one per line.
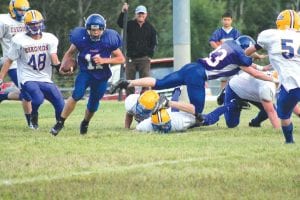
140, 108
96, 47
11, 24
257, 92
226, 60
282, 45
35, 51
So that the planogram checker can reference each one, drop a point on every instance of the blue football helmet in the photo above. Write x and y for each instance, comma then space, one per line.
95, 21
245, 41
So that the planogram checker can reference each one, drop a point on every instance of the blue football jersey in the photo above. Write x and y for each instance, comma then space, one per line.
225, 61
109, 41
220, 35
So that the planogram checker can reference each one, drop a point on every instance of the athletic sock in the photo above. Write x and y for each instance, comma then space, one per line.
28, 119
288, 133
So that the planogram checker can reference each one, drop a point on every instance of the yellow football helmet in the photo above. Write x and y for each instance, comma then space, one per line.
288, 19
18, 5
148, 99
34, 22
161, 121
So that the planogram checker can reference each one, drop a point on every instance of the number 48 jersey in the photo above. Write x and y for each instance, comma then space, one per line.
33, 56
283, 48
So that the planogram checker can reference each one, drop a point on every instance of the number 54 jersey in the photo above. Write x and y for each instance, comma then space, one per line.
283, 48
33, 56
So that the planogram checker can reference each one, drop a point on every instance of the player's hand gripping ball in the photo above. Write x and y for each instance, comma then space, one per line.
68, 66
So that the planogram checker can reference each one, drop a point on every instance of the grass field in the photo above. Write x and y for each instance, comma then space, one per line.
113, 163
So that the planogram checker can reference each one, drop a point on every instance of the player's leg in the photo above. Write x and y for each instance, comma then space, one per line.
130, 72
285, 104
97, 91
81, 83
37, 96
54, 96
143, 67
232, 116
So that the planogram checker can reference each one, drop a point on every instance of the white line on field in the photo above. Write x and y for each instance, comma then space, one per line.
100, 170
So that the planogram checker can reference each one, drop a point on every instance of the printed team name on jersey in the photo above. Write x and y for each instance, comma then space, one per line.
31, 49
17, 29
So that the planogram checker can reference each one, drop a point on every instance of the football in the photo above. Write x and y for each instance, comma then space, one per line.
68, 65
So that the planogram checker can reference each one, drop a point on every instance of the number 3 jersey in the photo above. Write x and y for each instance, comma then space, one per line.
225, 61
33, 56
283, 48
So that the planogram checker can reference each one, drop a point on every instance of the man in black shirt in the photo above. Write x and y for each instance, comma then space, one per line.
141, 42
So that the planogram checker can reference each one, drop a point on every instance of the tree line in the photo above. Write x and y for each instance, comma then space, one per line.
250, 17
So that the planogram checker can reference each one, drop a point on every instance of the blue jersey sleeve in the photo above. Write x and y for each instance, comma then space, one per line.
78, 36
112, 38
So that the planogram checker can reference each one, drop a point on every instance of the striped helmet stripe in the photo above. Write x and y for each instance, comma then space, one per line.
159, 117
292, 21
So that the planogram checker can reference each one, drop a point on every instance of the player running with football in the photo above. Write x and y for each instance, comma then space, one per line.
97, 47
34, 51
227, 60
282, 45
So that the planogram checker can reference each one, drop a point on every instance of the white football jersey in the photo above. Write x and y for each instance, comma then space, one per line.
180, 121
33, 56
9, 28
284, 55
247, 87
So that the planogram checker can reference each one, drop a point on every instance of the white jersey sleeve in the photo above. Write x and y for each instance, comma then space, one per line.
284, 56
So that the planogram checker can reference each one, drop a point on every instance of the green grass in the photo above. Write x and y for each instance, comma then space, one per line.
114, 163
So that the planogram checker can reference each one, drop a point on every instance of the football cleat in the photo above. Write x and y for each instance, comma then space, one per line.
252, 124
221, 97
34, 121
162, 102
56, 128
200, 119
84, 127
120, 84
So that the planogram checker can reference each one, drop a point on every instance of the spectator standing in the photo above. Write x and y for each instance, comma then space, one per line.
141, 43
218, 37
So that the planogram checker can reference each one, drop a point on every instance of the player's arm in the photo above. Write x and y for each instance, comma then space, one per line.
128, 120
183, 106
116, 58
252, 49
258, 74
214, 44
55, 61
70, 53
